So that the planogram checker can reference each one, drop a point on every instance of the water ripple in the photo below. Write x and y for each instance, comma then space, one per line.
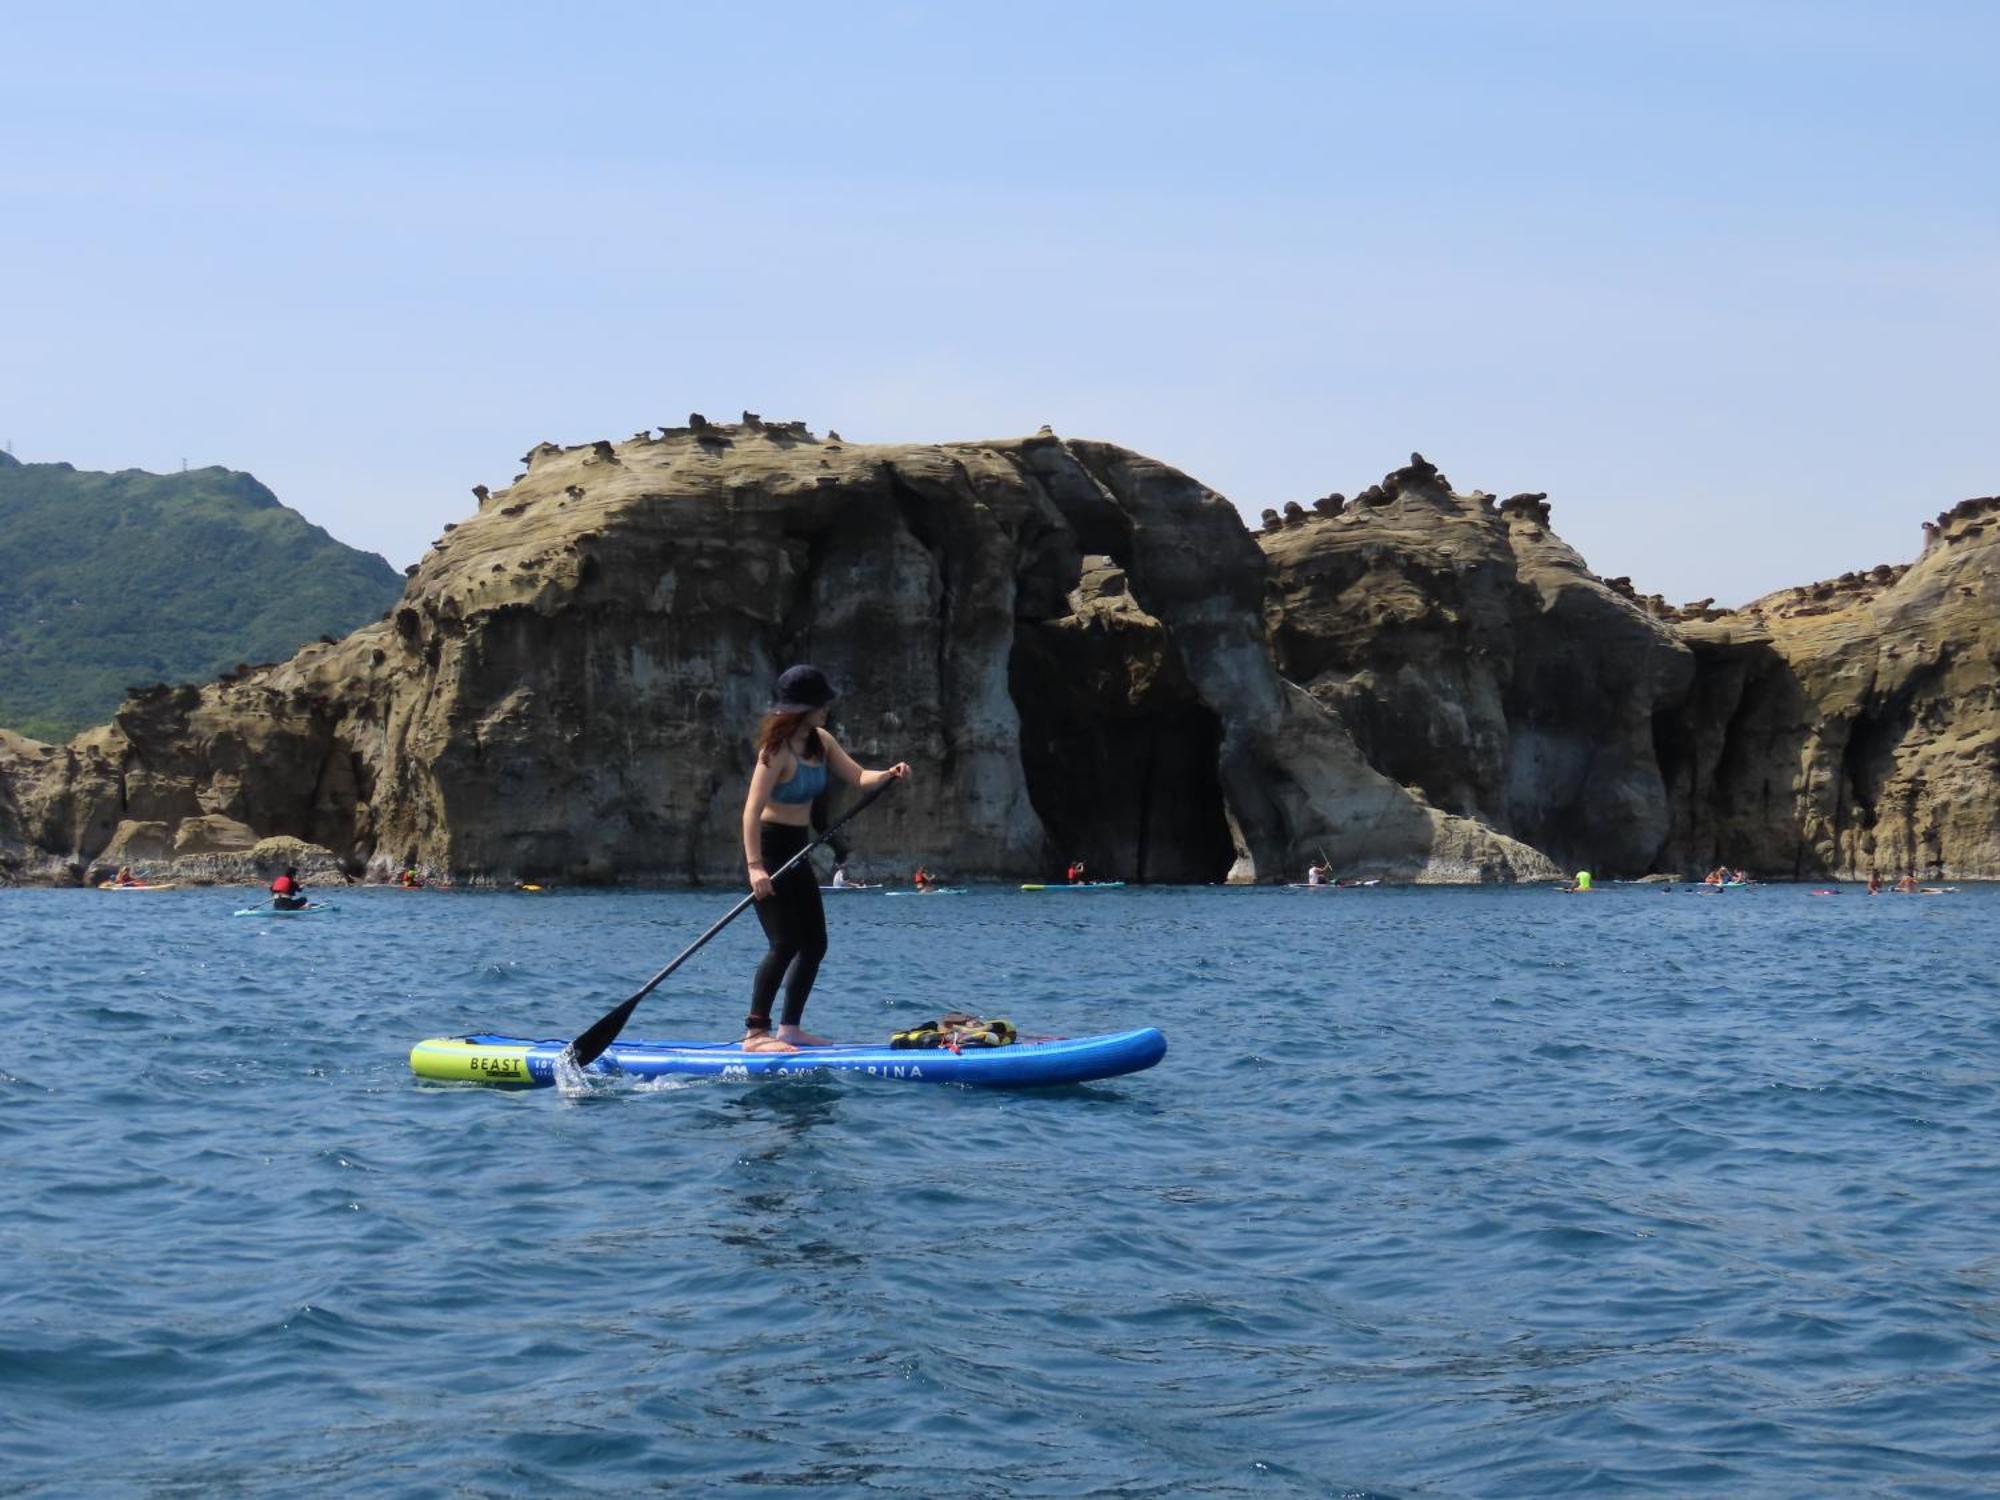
1438, 1193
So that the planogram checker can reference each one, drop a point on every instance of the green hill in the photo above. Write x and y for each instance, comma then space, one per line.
115, 580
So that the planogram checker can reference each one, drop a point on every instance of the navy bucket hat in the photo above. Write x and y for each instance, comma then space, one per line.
802, 689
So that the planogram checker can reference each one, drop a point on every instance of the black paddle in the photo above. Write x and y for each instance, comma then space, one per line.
588, 1047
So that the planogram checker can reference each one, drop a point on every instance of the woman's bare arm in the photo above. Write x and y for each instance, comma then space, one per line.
762, 780
847, 768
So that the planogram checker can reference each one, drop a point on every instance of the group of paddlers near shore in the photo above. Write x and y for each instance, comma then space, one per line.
1722, 875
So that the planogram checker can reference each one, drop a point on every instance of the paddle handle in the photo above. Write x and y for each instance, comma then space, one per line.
590, 1045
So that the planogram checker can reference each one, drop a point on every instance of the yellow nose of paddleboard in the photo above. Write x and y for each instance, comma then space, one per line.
455, 1060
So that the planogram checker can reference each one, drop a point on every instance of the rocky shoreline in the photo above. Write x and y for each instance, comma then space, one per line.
1085, 653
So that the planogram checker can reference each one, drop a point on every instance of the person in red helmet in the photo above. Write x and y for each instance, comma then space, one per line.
286, 892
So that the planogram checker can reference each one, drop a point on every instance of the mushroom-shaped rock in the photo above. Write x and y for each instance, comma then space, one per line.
481, 493
601, 452
1331, 505
1273, 521
1295, 513
1530, 505
697, 422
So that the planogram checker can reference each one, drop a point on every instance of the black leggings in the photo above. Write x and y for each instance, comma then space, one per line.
795, 922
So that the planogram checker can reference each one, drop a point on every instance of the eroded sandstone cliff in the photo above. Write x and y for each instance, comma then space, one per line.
1853, 725
1084, 654
567, 686
1821, 731
1472, 653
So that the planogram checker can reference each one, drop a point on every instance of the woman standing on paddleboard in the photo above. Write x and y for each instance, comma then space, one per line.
794, 756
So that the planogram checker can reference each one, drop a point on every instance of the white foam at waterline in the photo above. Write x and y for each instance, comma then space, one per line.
571, 1080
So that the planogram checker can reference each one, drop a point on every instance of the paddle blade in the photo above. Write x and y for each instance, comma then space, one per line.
588, 1047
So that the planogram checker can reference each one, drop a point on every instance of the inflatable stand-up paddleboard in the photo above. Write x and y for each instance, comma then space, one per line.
1081, 885
936, 890
285, 911
112, 885
1028, 1064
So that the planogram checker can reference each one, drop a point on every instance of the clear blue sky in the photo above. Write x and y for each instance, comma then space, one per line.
1723, 279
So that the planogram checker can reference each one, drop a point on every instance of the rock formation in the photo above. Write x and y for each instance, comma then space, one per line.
1821, 731
1850, 725
1084, 653
567, 686
1472, 654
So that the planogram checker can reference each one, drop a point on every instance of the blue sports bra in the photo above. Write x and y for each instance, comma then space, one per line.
808, 781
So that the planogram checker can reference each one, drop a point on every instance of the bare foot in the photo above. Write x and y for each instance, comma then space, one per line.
800, 1038
763, 1041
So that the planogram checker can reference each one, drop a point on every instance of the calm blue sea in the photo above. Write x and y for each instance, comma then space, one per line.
1437, 1193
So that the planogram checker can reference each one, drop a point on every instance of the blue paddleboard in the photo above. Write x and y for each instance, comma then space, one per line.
1026, 1064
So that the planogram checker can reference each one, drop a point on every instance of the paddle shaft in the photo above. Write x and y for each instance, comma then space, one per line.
590, 1045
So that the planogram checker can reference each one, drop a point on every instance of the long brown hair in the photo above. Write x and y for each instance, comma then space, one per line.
777, 731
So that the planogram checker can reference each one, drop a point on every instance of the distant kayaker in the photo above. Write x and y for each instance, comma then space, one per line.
1076, 872
1907, 886
286, 893
1874, 883
839, 881
126, 877
1317, 874
922, 879
795, 755
410, 880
